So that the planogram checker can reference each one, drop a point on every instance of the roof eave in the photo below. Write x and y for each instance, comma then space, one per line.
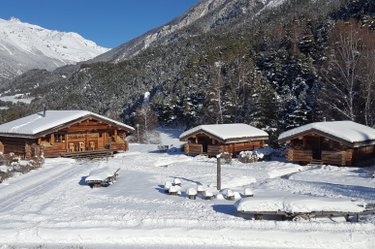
17, 135
319, 132
245, 139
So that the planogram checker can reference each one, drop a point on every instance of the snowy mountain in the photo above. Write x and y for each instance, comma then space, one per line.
25, 46
203, 17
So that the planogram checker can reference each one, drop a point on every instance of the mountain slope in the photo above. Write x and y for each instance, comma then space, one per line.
25, 46
257, 62
201, 18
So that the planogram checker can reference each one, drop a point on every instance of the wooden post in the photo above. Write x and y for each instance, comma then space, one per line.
218, 175
115, 135
52, 140
66, 142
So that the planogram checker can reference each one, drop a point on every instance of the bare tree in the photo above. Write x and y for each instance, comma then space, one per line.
148, 122
215, 89
368, 74
341, 72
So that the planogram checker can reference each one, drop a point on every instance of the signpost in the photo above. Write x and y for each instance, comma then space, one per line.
218, 172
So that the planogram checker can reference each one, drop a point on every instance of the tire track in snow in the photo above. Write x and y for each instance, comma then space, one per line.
36, 187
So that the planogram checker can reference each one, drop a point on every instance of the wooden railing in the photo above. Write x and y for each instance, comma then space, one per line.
193, 149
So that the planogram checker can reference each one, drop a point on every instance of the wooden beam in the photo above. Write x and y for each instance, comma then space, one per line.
115, 135
52, 138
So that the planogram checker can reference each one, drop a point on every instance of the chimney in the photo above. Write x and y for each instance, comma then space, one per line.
44, 110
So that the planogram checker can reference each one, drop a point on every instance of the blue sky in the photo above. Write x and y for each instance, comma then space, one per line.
109, 23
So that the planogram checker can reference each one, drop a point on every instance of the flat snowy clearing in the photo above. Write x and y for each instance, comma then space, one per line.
52, 207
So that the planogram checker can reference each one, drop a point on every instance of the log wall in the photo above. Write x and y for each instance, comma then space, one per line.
193, 149
18, 146
341, 158
213, 150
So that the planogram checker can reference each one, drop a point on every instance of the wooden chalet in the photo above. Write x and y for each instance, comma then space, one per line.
63, 133
217, 138
342, 143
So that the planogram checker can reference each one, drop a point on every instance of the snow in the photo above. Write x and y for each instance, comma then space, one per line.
52, 207
227, 131
99, 174
347, 130
192, 191
248, 192
297, 204
17, 98
32, 39
36, 123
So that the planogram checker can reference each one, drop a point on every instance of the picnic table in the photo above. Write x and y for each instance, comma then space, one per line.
101, 177
300, 208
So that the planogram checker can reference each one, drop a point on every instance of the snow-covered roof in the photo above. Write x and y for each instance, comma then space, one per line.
37, 123
348, 131
227, 131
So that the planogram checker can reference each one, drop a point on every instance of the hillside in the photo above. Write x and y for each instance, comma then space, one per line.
260, 62
24, 46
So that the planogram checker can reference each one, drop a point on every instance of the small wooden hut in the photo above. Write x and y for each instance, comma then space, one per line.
342, 143
217, 138
63, 133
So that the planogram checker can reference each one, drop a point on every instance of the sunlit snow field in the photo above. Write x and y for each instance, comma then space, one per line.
52, 207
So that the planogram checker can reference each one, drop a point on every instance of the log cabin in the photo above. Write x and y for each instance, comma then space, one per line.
218, 138
54, 133
342, 143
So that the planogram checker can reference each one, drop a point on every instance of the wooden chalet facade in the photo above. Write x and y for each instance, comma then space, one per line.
343, 143
218, 138
63, 133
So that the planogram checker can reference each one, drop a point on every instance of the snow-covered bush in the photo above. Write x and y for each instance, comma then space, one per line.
249, 156
227, 157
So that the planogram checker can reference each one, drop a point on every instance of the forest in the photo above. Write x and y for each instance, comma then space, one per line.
301, 62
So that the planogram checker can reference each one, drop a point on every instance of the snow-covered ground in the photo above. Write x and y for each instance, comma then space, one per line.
52, 207
17, 98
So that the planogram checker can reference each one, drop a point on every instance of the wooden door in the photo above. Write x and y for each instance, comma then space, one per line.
316, 148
